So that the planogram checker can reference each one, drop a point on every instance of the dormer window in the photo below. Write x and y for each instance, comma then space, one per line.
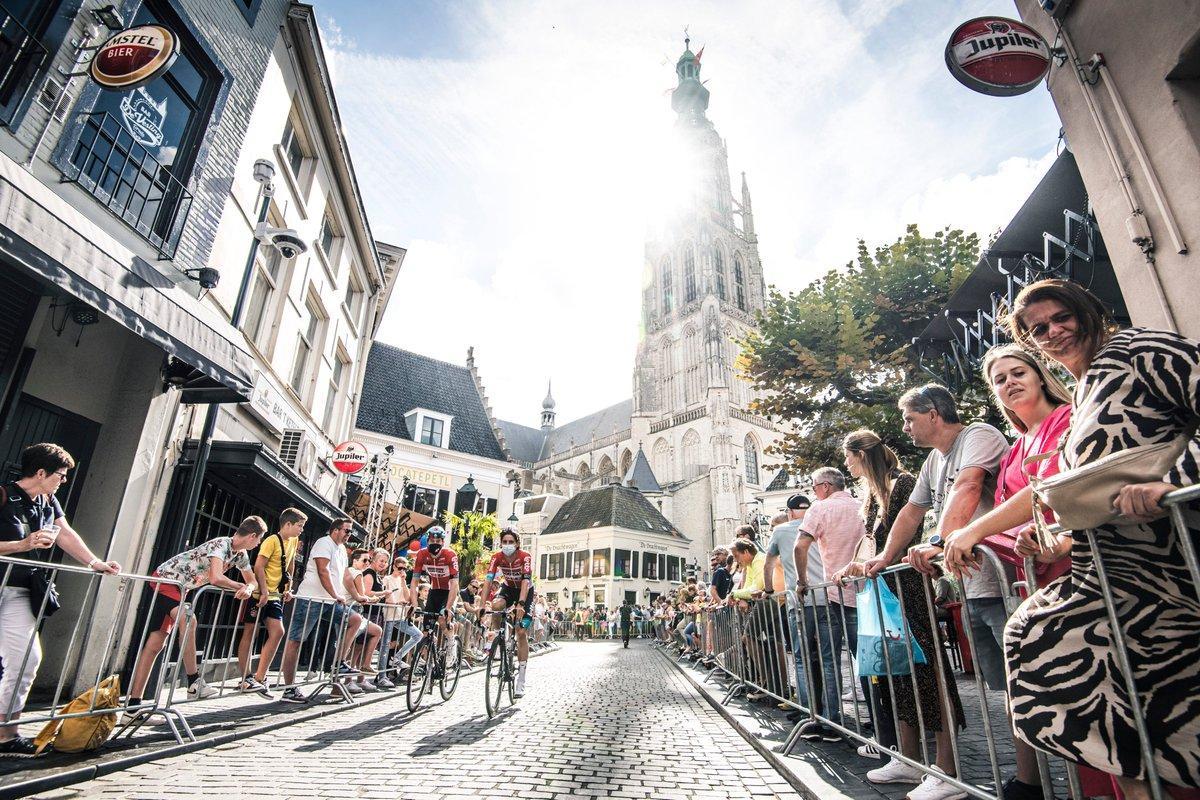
428, 427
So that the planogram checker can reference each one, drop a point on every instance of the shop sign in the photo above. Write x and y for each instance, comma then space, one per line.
134, 57
423, 477
651, 546
997, 56
349, 457
269, 405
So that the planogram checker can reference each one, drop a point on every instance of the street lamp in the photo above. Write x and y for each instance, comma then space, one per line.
513, 519
469, 491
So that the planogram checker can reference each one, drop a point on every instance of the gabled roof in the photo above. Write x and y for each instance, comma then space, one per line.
397, 381
524, 443
617, 506
779, 482
640, 476
604, 422
533, 444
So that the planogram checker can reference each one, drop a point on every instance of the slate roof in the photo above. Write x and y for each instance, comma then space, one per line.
780, 481
640, 476
602, 423
619, 506
532, 444
524, 443
397, 381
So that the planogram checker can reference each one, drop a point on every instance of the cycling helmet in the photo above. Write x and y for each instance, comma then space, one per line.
436, 532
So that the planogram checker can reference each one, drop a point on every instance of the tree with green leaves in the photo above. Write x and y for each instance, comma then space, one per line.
835, 355
473, 535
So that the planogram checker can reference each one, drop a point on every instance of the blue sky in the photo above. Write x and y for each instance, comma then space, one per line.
513, 148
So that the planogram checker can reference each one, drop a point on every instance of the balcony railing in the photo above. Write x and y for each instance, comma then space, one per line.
21, 55
123, 175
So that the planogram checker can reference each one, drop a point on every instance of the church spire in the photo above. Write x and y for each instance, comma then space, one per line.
548, 410
690, 98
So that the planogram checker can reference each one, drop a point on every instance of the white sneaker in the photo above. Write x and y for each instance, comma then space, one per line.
851, 694
353, 688
519, 687
935, 788
895, 771
201, 690
868, 751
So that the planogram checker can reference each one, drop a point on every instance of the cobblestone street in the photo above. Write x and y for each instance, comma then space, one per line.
598, 721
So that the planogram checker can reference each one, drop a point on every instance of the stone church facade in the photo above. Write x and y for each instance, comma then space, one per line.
689, 414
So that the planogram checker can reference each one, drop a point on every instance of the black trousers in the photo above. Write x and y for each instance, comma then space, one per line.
625, 634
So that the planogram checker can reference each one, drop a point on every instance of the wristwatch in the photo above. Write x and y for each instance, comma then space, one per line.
936, 540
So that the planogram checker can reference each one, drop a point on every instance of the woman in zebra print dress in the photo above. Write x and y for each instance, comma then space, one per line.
1134, 387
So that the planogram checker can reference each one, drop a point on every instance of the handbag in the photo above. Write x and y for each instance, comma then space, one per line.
1082, 498
878, 635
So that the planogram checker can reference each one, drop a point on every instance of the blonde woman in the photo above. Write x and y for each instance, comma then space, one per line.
888, 488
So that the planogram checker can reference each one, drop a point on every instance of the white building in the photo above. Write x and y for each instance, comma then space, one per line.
607, 545
690, 411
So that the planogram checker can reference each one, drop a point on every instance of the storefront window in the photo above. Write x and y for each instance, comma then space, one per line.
600, 563
672, 568
651, 567
579, 565
555, 567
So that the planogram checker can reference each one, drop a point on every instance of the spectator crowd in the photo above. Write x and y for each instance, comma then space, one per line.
1099, 666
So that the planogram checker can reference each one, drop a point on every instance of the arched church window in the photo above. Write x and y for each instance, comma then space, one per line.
690, 451
739, 282
689, 275
668, 375
660, 460
751, 459
667, 289
719, 271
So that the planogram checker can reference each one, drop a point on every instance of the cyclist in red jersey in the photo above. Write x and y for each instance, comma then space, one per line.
514, 567
440, 564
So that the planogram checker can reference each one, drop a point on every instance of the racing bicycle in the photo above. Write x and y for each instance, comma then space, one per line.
501, 665
431, 662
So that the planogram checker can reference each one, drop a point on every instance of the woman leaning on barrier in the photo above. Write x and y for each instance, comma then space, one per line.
1038, 408
888, 488
1134, 387
31, 520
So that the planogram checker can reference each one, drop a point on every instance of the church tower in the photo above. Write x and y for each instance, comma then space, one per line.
703, 283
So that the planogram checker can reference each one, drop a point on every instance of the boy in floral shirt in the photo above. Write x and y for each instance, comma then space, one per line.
194, 568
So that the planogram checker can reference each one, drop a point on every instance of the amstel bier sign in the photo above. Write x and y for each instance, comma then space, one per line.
134, 57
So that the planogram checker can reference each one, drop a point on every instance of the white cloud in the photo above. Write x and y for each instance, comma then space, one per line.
520, 175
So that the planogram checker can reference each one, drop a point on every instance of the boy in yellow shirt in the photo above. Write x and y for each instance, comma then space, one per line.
273, 571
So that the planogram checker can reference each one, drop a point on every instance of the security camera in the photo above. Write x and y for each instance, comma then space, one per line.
285, 240
207, 277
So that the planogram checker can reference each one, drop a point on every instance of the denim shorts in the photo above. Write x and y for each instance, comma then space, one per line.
987, 627
307, 613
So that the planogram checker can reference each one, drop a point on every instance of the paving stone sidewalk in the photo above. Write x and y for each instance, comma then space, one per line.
598, 721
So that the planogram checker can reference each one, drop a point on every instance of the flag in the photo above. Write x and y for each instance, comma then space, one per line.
699, 53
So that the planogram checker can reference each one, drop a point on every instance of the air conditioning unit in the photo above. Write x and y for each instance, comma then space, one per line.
299, 452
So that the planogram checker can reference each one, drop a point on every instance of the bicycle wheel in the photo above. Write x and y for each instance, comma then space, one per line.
510, 670
494, 682
418, 685
450, 671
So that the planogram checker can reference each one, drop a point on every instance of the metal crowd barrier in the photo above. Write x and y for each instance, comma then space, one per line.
754, 646
130, 590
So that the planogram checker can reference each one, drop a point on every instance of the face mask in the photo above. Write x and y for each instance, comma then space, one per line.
434, 549
508, 549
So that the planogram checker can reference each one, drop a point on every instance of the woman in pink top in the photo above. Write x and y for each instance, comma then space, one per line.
1037, 406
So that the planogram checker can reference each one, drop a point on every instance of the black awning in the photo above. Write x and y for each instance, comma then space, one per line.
35, 236
254, 466
1060, 189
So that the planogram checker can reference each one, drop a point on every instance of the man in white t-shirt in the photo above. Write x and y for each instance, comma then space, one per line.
320, 598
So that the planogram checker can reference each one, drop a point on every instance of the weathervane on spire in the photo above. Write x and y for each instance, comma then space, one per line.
687, 39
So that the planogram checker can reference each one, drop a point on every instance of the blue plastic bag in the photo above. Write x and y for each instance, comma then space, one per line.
878, 635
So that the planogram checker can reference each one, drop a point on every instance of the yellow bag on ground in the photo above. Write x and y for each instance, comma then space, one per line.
77, 734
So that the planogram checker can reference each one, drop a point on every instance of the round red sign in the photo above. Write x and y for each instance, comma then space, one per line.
134, 57
997, 56
349, 457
